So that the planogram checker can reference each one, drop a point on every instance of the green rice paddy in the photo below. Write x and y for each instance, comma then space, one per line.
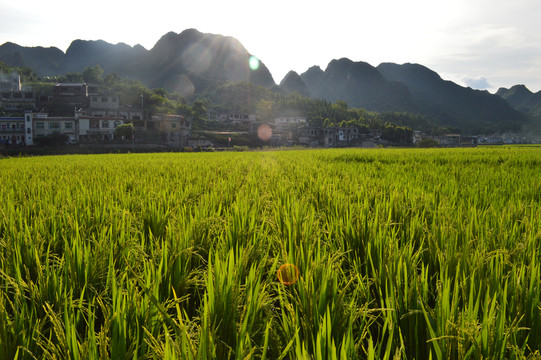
401, 254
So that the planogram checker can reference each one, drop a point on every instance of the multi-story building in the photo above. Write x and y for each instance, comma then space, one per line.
106, 105
74, 94
109, 106
16, 130
450, 140
330, 136
26, 130
174, 129
310, 136
12, 95
236, 118
44, 125
287, 123
12, 131
97, 127
17, 100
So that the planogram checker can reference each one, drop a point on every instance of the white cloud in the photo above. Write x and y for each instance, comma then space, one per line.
480, 83
506, 55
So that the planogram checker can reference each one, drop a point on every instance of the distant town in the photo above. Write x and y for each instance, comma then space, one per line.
101, 118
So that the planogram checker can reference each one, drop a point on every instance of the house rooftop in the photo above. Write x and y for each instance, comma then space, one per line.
70, 84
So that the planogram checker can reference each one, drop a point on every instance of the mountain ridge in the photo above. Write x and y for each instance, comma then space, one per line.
192, 62
169, 58
522, 99
292, 82
359, 84
451, 103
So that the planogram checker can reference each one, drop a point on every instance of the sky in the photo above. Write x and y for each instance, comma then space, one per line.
484, 44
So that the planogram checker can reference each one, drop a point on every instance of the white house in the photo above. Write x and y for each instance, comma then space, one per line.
288, 122
44, 125
98, 128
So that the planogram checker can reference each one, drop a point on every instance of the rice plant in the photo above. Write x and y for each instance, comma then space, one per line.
318, 254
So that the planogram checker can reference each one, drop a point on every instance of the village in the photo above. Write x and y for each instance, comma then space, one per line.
97, 117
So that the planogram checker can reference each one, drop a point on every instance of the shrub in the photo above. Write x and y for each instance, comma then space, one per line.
428, 143
52, 140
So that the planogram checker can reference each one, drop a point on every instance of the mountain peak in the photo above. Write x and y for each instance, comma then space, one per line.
292, 82
191, 32
519, 96
46, 61
313, 70
391, 72
516, 89
289, 75
359, 84
348, 69
10, 45
339, 62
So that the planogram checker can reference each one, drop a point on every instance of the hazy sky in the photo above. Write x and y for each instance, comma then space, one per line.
485, 44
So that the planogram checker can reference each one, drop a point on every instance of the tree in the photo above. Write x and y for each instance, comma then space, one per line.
264, 109
397, 134
327, 122
93, 74
4, 68
428, 142
199, 112
125, 131
160, 92
26, 74
341, 105
72, 78
112, 80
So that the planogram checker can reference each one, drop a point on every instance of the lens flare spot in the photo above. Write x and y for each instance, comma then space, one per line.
254, 63
196, 58
234, 69
288, 274
264, 132
180, 83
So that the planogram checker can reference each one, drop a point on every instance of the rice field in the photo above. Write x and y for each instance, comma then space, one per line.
319, 254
